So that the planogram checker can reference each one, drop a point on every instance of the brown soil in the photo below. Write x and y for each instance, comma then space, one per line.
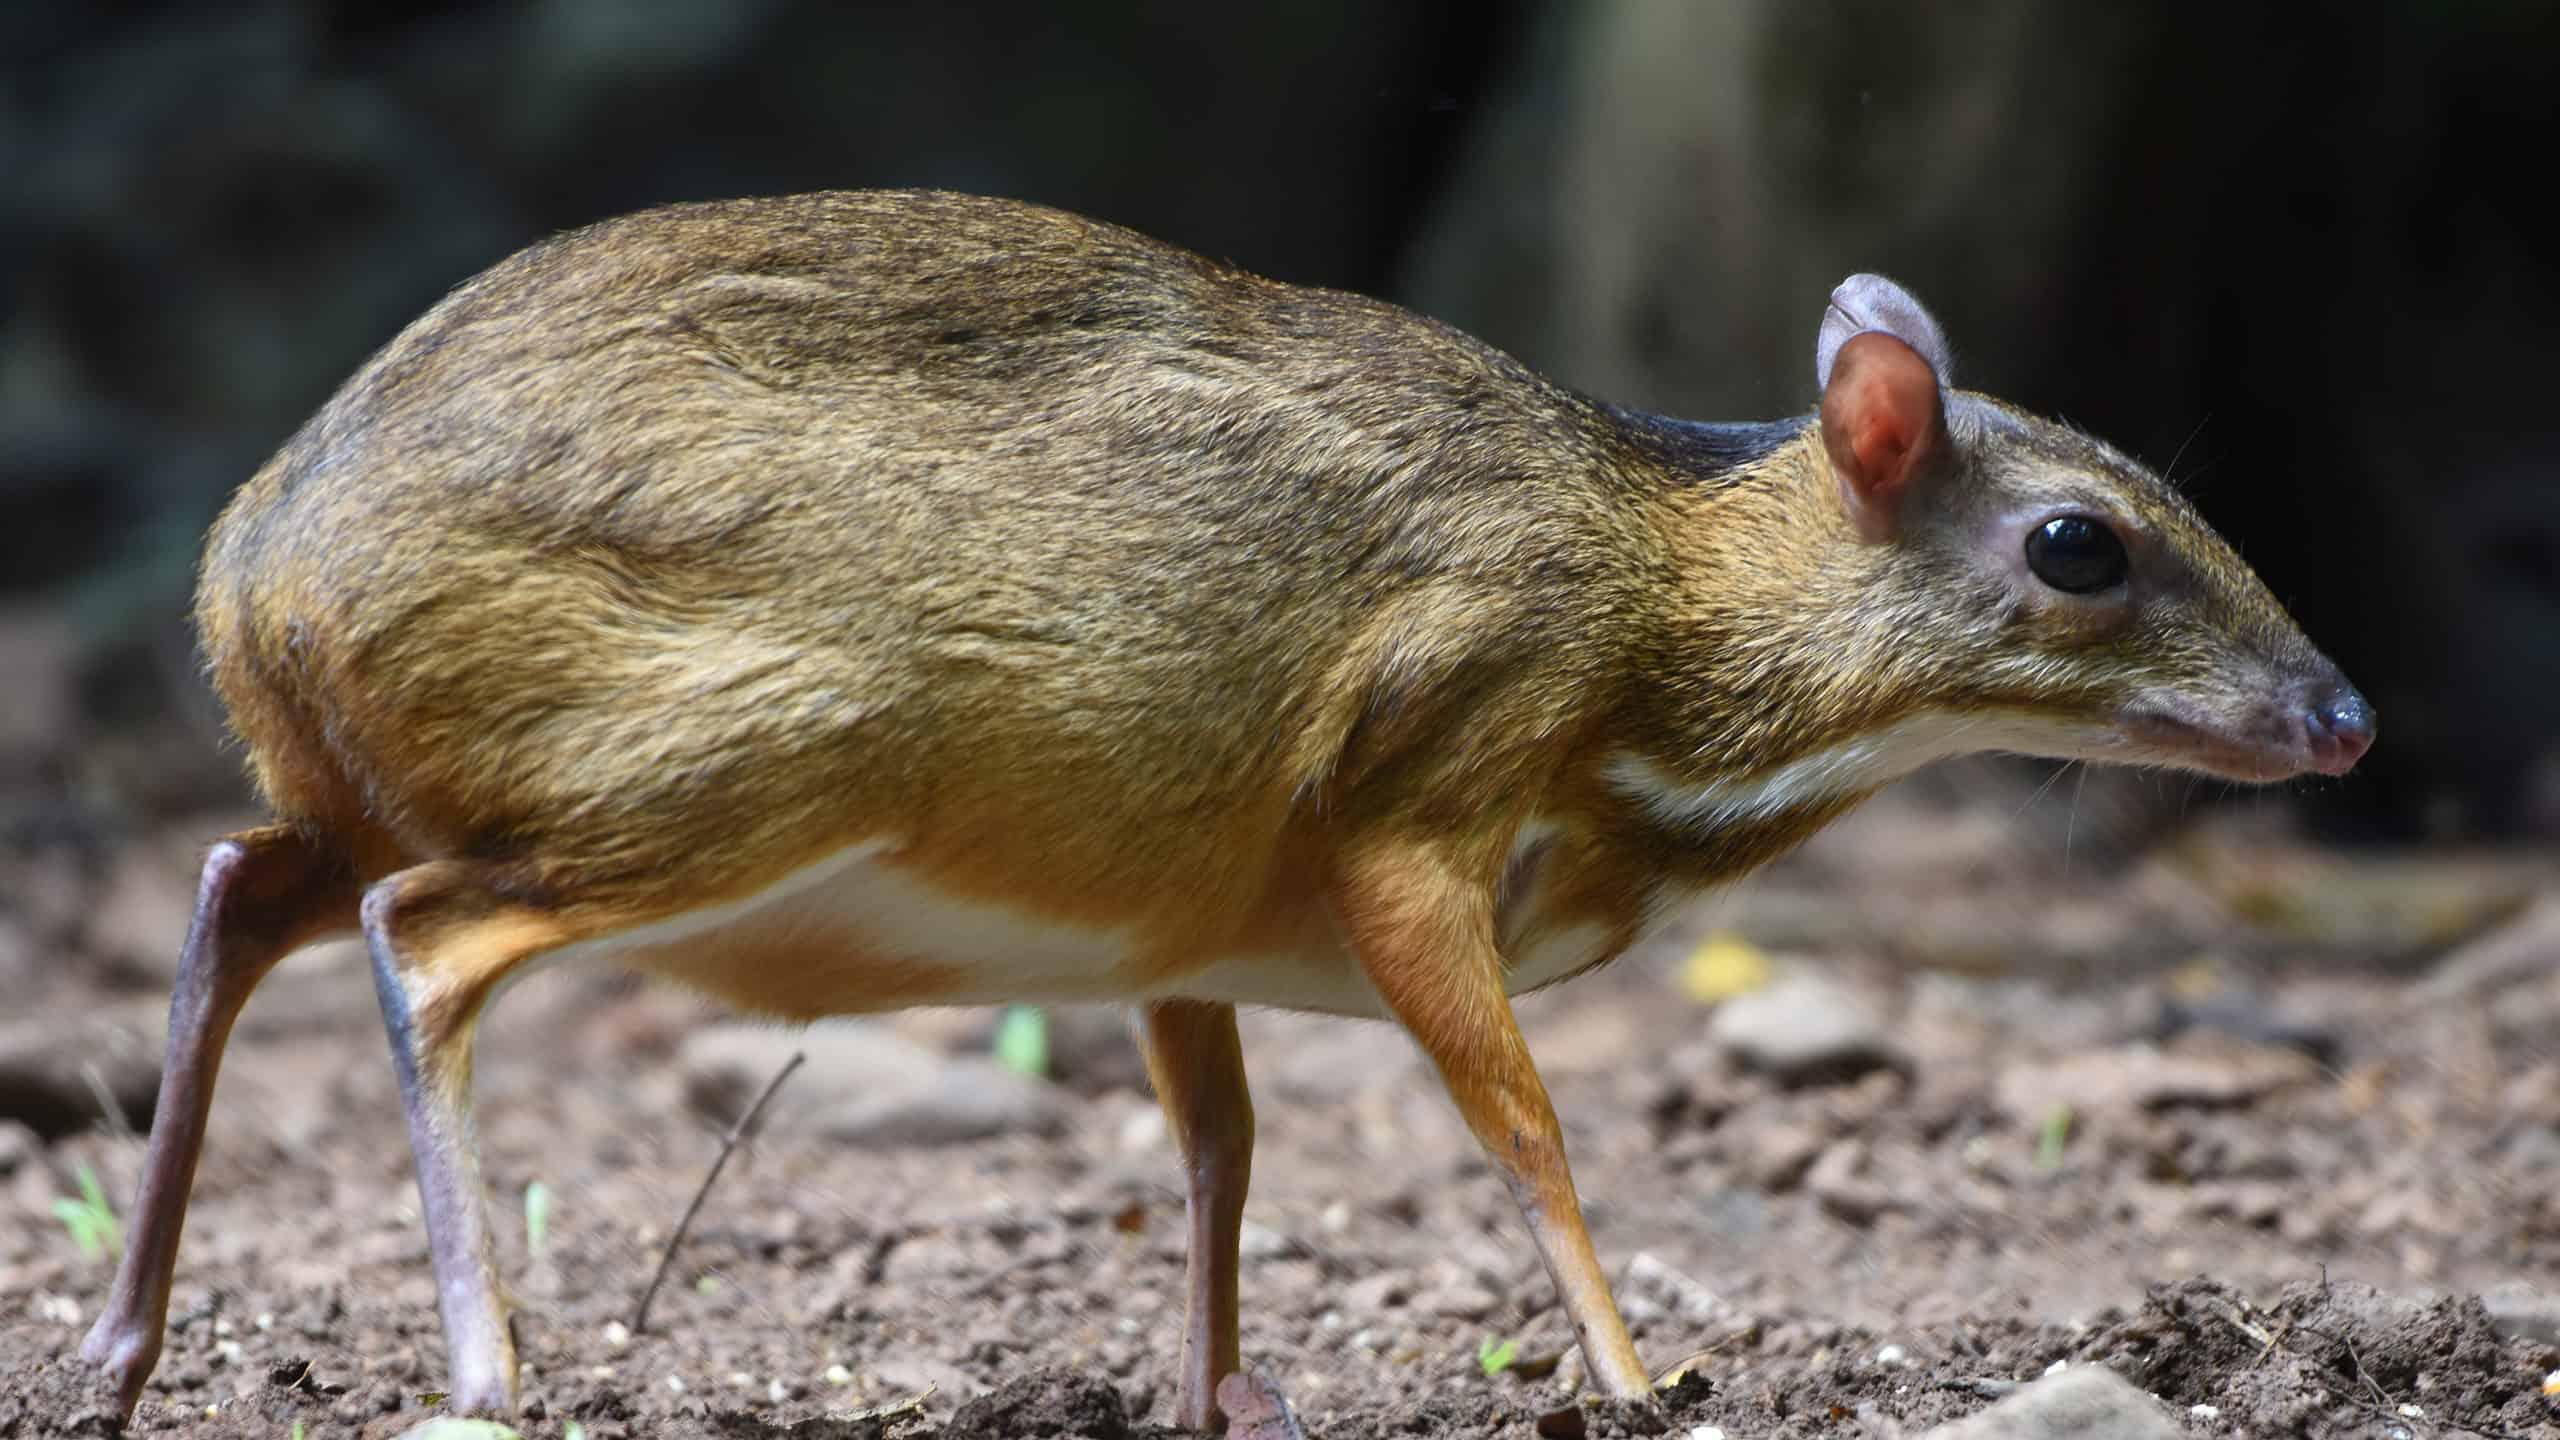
2293, 1156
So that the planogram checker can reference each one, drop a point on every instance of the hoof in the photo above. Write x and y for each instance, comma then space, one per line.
485, 1395
1256, 1410
124, 1356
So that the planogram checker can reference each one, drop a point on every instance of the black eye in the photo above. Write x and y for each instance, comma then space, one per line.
2076, 555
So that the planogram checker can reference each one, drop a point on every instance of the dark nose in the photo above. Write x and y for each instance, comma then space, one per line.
2341, 729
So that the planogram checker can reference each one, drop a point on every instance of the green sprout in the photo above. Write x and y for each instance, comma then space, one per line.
90, 1219
1022, 1040
537, 1218
2051, 1137
1495, 1356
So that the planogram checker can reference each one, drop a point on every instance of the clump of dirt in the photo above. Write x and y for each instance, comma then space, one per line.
2329, 1359
1049, 1405
54, 1397
747, 1425
1674, 1410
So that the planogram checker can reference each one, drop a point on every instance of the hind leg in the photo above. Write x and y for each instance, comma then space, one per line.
263, 892
1198, 1068
443, 938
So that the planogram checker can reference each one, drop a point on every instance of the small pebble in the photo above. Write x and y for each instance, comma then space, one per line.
1128, 1325
1457, 1302
1335, 1219
1568, 1423
1804, 1030
2551, 1383
266, 1320
1261, 1242
838, 1375
617, 1334
2205, 1412
601, 1372
2413, 1412
60, 1309
2057, 1367
741, 1379
18, 1145
676, 1383
221, 1327
227, 1351
774, 1393
1143, 1130
1707, 1432
1892, 1355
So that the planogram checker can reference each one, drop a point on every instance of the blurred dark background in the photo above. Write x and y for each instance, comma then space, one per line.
2304, 265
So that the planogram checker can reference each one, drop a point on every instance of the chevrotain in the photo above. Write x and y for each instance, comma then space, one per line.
851, 601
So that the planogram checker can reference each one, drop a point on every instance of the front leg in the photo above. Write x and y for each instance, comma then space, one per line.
1422, 928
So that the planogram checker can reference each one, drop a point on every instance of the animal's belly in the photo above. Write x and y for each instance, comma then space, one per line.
856, 933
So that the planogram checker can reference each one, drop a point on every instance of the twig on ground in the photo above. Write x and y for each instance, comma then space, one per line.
2231, 1316
2382, 1401
728, 1143
895, 1409
117, 1120
2365, 1375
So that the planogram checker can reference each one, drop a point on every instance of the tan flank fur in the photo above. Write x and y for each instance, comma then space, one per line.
851, 601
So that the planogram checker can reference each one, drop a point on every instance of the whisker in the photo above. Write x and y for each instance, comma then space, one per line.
2071, 821
2039, 792
2169, 472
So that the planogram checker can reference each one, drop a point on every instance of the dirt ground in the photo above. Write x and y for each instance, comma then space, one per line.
2255, 1124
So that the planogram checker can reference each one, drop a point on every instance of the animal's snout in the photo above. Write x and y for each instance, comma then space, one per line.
2339, 727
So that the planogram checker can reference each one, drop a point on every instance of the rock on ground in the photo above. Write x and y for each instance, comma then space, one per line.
1804, 1030
2209, 1072
2088, 1402
2520, 1309
18, 1145
52, 1068
863, 1083
446, 1427
2521, 952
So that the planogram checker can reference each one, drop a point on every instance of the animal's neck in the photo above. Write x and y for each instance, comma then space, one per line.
1777, 633
1783, 686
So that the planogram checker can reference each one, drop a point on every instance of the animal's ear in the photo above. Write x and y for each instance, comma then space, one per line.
1884, 421
1871, 302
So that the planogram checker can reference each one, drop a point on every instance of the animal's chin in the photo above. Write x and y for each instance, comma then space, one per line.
2157, 738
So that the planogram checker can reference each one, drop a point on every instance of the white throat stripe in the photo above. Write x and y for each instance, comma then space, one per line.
1847, 767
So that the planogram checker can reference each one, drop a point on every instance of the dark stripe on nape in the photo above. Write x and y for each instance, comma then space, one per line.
1707, 451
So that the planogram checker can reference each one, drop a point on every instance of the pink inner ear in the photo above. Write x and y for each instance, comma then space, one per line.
1883, 423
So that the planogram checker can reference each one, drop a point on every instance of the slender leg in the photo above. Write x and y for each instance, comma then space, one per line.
1424, 934
263, 892
1198, 1070
441, 942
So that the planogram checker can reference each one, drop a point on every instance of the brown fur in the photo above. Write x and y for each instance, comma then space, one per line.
1079, 574
675, 551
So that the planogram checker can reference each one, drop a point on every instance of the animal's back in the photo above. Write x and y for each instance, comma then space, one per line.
721, 535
